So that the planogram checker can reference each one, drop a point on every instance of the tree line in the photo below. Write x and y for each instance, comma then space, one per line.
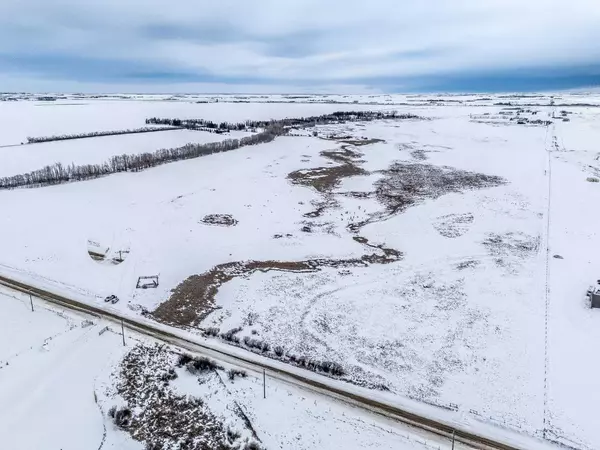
66, 137
336, 117
58, 173
197, 124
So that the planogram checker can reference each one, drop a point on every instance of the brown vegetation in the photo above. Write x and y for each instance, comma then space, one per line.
220, 219
158, 416
193, 299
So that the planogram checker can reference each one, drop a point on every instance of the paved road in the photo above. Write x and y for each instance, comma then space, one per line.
274, 369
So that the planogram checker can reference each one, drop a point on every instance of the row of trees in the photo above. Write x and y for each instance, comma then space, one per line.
336, 117
66, 137
197, 124
59, 173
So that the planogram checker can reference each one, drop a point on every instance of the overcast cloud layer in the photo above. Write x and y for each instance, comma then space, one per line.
298, 45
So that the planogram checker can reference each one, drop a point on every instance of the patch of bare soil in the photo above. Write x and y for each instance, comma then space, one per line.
324, 179
453, 225
321, 206
357, 194
226, 220
405, 184
360, 142
468, 264
194, 299
419, 155
157, 416
509, 249
389, 253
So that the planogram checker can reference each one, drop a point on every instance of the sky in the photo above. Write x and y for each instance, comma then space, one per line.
299, 46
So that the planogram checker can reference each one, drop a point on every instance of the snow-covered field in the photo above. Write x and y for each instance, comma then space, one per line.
31, 119
477, 315
59, 378
97, 150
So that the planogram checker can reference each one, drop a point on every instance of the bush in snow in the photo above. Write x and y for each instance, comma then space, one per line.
236, 373
278, 351
202, 364
183, 359
59, 173
168, 376
232, 435
231, 335
121, 416
211, 332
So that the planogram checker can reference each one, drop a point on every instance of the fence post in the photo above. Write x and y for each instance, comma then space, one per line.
123, 332
31, 300
264, 384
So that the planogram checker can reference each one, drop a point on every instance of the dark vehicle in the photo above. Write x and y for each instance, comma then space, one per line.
112, 298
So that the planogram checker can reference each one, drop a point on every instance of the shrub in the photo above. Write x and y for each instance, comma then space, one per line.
337, 370
232, 435
211, 332
202, 364
236, 373
183, 359
325, 366
122, 417
252, 446
168, 376
57, 173
112, 411
592, 179
278, 351
254, 343
231, 334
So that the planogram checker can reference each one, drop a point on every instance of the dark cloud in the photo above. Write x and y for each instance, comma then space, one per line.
389, 45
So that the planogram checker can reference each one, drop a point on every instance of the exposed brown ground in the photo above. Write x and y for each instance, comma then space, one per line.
194, 298
401, 186
219, 219
359, 142
324, 179
162, 418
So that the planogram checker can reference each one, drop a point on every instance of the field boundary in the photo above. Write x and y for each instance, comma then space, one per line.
277, 370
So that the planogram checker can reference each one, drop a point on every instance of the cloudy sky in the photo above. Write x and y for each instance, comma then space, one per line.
298, 45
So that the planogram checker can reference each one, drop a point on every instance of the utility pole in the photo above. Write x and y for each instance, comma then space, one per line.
31, 300
123, 332
453, 432
264, 384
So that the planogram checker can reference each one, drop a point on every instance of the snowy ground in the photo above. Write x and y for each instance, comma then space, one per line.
97, 150
58, 379
31, 119
458, 322
50, 362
